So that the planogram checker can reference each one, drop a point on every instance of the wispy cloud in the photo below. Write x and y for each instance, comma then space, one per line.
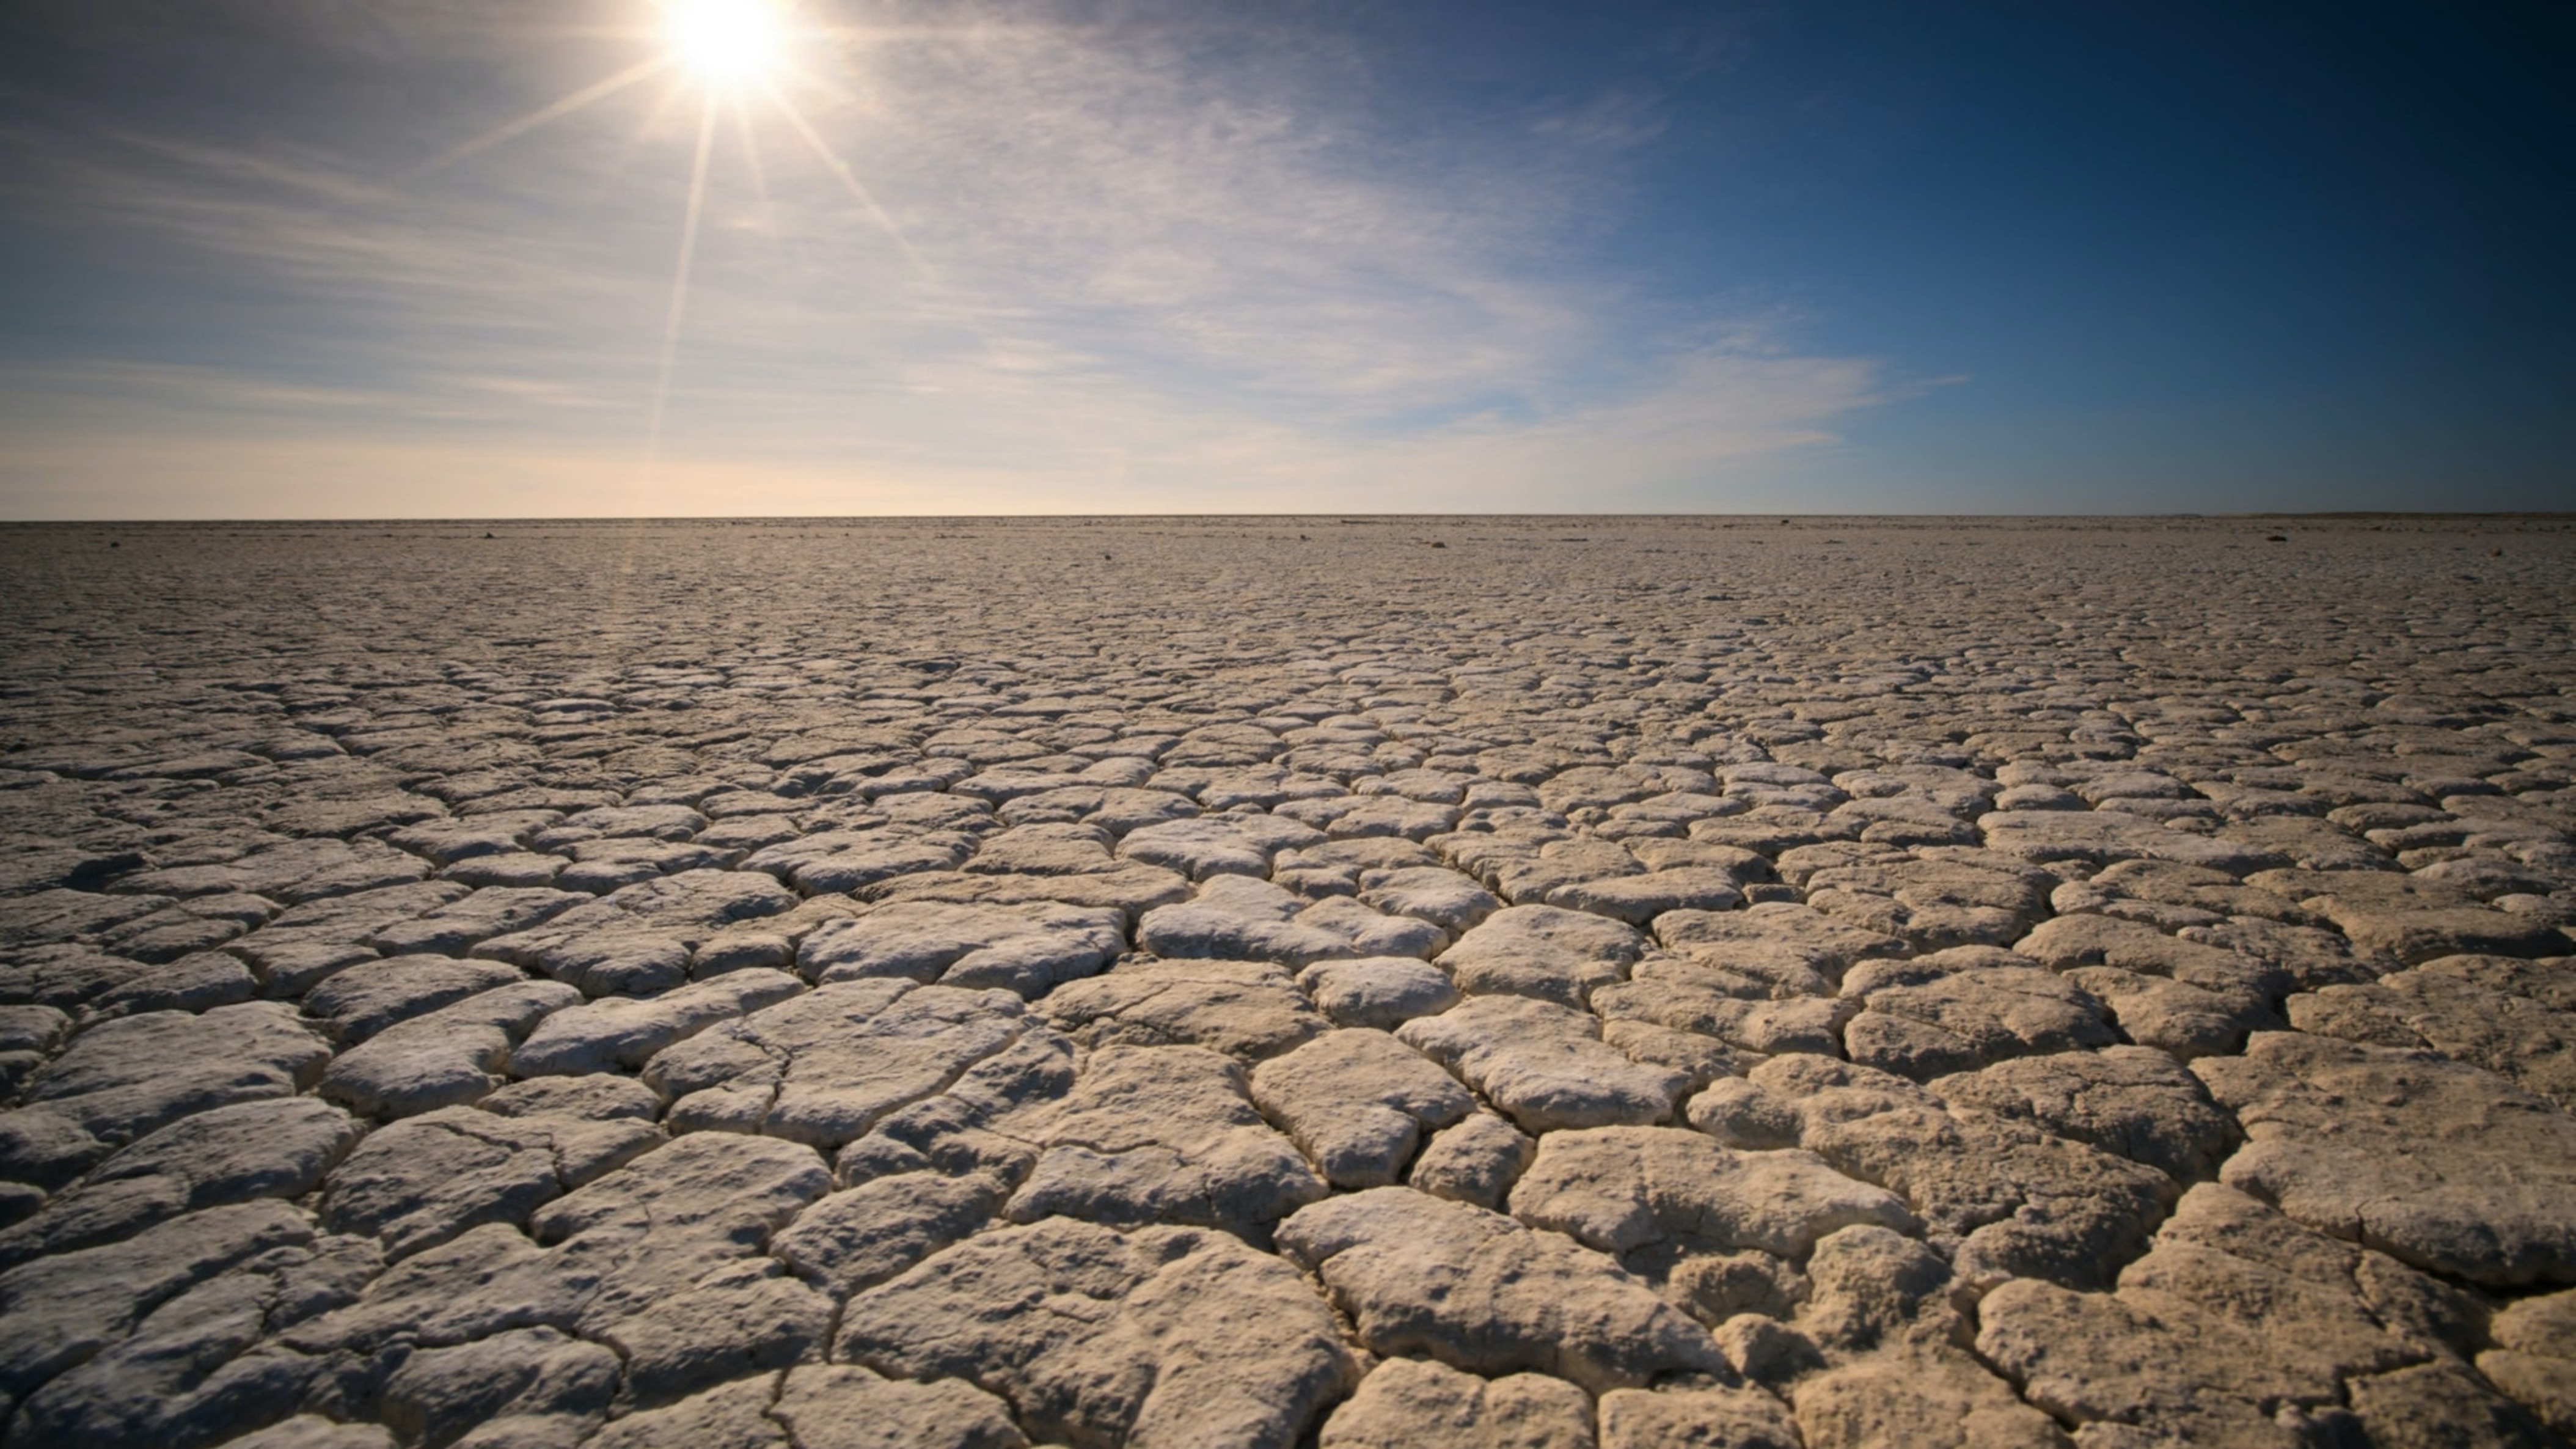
1153, 273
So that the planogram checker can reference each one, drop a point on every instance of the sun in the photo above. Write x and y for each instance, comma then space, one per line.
726, 43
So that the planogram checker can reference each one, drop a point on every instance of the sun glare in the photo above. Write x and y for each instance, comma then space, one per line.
726, 42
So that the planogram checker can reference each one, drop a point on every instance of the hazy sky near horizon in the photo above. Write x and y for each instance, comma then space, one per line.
1311, 255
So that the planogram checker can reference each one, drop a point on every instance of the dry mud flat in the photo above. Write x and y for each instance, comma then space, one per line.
1419, 983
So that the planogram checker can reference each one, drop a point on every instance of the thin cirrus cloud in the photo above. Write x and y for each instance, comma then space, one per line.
1115, 267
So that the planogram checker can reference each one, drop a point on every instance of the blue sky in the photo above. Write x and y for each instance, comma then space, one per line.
1155, 257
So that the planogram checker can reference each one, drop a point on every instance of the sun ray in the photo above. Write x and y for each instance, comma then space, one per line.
529, 122
751, 161
843, 174
679, 290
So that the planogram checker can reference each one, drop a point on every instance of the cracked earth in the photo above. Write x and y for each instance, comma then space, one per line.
1403, 983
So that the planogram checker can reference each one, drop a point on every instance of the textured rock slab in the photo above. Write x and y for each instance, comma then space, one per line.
639, 939
1919, 1396
616, 1032
451, 929
2489, 1011
446, 1058
670, 1221
1639, 899
61, 1311
1029, 949
1542, 1064
826, 1066
2134, 1102
1358, 1103
1541, 951
1964, 1008
1245, 1008
686, 1219
1131, 891
2189, 998
840, 1406
1377, 991
1624, 1188
2105, 836
1476, 1161
2441, 1165
193, 1370
1237, 918
1474, 1289
126, 1077
2172, 896
356, 1003
1935, 903
1215, 845
2236, 1316
2416, 920
2022, 1201
279, 1147
1685, 996
734, 1322
1171, 1337
859, 1238
1445, 898
1408, 1403
2534, 1358
1776, 941
847, 860
1692, 1417
426, 1179
1160, 1134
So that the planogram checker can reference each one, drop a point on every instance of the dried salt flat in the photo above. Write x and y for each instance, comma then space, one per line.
1962, 983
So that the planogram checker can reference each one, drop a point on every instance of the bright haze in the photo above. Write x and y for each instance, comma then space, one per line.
487, 258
